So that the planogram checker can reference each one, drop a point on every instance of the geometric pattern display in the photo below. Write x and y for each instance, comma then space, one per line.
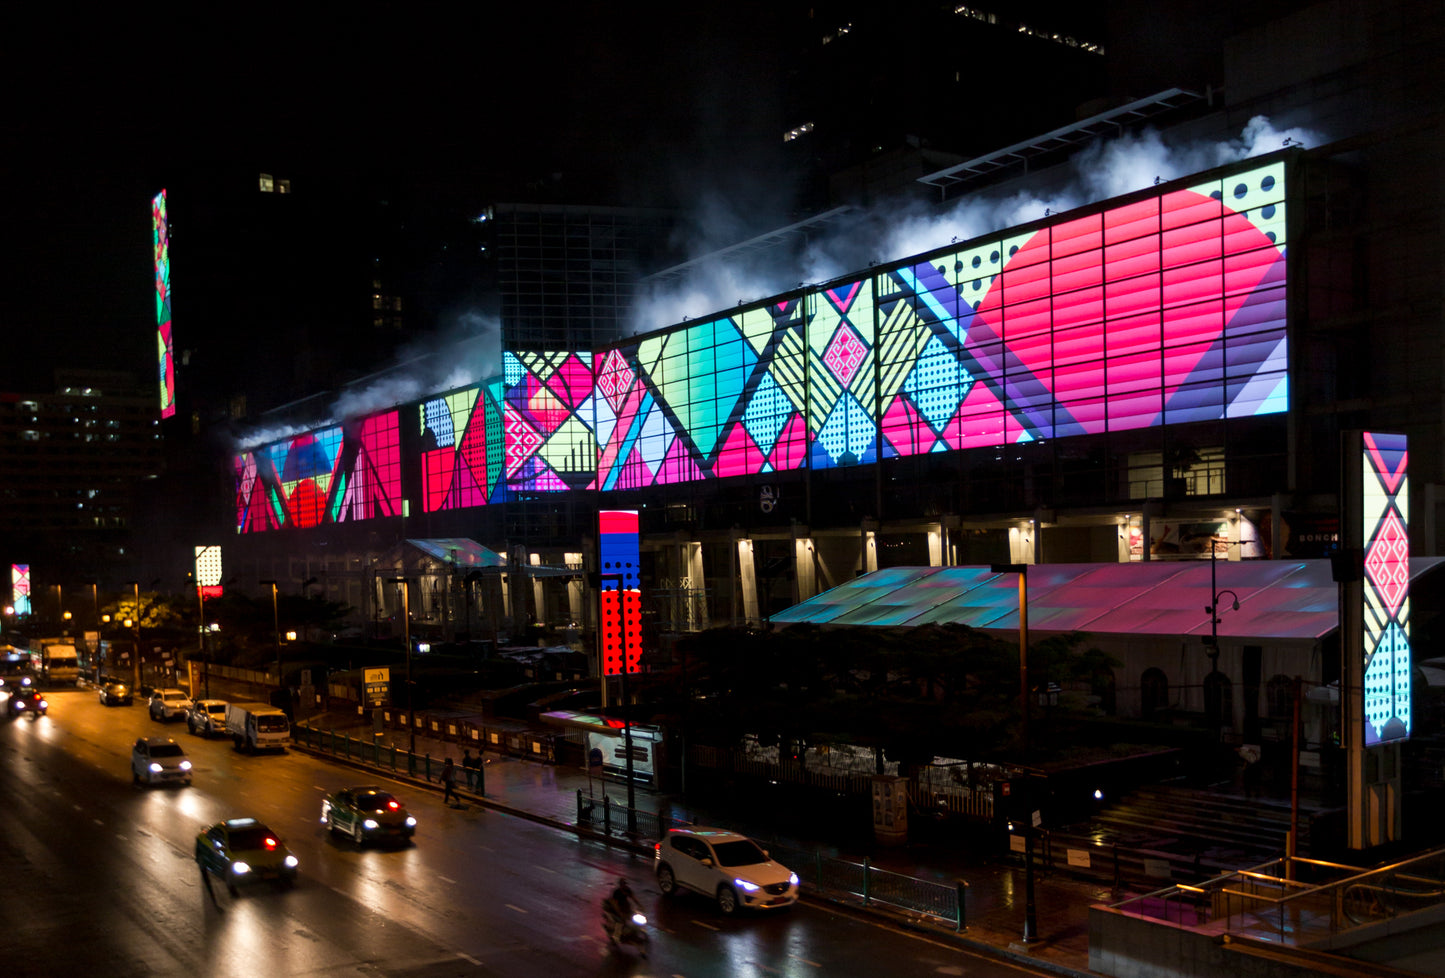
161, 246
460, 434
329, 475
1164, 310
20, 588
621, 591
1386, 619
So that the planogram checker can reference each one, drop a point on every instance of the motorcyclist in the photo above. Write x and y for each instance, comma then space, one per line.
618, 909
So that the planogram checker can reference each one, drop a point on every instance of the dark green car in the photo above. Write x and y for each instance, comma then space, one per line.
367, 814
239, 850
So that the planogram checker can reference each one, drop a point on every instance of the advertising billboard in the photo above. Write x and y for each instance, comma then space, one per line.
1386, 620
161, 247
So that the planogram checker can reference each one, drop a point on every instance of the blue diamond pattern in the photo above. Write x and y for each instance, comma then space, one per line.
767, 413
847, 430
937, 384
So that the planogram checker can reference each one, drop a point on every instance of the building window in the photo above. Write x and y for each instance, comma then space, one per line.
283, 186
268, 185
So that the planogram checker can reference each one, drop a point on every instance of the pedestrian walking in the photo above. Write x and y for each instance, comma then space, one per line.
470, 765
449, 782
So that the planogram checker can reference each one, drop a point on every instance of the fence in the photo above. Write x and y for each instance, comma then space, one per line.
1299, 901
824, 874
838, 878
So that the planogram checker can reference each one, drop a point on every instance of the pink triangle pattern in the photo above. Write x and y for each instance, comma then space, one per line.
678, 466
790, 450
739, 456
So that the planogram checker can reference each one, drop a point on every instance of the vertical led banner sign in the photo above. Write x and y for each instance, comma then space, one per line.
621, 584
208, 571
1385, 494
161, 245
20, 588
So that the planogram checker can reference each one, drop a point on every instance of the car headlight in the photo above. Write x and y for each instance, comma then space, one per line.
793, 879
185, 765
411, 821
43, 704
747, 885
240, 868
369, 824
292, 862
19, 705
155, 767
639, 920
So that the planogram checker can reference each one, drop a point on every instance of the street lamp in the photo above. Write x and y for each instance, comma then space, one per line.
276, 624
406, 634
1213, 612
1031, 918
135, 636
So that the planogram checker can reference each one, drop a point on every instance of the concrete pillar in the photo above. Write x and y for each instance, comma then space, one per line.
576, 593
1276, 526
539, 596
935, 546
698, 613
1021, 541
746, 579
868, 558
805, 569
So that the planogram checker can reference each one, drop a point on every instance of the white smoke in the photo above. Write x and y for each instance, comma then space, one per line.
1104, 169
467, 351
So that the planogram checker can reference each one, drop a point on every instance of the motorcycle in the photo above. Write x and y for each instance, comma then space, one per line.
632, 931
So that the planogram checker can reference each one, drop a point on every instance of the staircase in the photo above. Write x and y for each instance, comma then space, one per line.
1172, 833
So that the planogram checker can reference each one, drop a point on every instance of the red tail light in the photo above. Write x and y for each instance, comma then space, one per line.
270, 843
392, 805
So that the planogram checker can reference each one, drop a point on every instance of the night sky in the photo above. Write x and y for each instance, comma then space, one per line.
104, 110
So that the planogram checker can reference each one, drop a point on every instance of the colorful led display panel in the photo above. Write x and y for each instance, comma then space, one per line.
621, 591
461, 454
161, 246
547, 421
1166, 309
20, 588
208, 566
328, 475
1386, 621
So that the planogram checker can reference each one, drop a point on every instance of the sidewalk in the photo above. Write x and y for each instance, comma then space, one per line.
995, 895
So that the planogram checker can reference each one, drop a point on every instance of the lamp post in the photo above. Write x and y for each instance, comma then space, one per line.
626, 704
1031, 916
406, 635
135, 636
276, 624
1213, 611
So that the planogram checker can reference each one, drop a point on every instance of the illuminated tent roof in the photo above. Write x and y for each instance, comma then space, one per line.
1277, 598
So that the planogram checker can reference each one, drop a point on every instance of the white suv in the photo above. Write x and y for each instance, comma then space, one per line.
169, 704
159, 759
207, 717
723, 866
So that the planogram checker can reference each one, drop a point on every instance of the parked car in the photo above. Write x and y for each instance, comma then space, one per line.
169, 704
239, 850
367, 813
207, 717
729, 868
159, 760
113, 692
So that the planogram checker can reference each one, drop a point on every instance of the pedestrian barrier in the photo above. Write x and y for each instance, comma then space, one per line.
826, 875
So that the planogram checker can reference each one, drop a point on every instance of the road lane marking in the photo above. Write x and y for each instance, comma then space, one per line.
445, 879
97, 821
469, 959
805, 961
708, 926
513, 906
545, 869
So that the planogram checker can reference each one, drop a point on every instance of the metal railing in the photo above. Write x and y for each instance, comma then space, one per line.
828, 876
1298, 901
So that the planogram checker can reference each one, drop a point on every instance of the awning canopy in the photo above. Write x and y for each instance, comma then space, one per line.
1279, 599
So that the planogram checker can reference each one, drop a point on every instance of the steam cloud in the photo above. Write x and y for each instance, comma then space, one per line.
1104, 169
468, 351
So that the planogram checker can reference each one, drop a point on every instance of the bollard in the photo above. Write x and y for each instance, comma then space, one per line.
428, 766
410, 764
606, 814
865, 881
393, 758
481, 775
331, 747
961, 886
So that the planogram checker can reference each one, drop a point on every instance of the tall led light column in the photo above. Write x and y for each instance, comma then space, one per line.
1375, 632
620, 621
